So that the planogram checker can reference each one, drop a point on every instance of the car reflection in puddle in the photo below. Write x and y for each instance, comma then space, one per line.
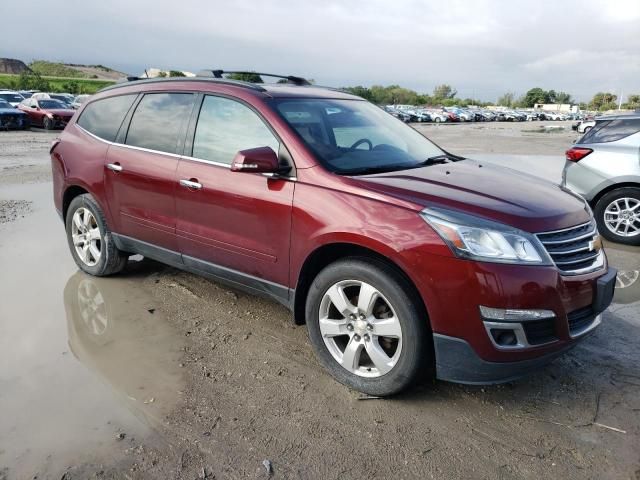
627, 287
115, 331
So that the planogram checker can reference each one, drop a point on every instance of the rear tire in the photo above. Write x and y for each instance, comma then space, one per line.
374, 363
618, 215
90, 239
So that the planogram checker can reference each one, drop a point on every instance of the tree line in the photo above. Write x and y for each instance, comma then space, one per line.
446, 95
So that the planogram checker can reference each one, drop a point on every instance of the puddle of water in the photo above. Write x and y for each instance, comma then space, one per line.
79, 355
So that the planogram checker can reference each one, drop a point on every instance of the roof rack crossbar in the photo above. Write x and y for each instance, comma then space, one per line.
219, 74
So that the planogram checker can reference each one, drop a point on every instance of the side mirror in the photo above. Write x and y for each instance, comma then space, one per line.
256, 160
33, 106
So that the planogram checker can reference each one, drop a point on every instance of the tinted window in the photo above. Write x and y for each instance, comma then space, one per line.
225, 127
51, 104
104, 117
158, 120
11, 97
611, 130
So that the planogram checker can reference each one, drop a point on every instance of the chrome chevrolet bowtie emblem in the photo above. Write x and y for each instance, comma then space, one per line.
595, 244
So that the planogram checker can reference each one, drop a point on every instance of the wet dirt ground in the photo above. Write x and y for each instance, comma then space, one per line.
157, 373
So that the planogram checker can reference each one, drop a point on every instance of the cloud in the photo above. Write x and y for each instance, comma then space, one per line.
482, 48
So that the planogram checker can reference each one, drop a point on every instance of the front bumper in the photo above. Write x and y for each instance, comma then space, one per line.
457, 361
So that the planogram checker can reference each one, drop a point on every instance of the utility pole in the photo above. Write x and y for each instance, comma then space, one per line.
620, 101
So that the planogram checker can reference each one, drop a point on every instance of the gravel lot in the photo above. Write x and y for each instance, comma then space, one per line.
161, 374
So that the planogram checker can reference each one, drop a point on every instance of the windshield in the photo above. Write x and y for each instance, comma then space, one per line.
353, 136
5, 104
51, 104
11, 97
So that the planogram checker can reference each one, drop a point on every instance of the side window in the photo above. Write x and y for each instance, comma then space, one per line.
225, 127
104, 117
612, 131
158, 120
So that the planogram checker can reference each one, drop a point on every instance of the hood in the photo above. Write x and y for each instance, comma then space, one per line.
61, 112
4, 111
496, 193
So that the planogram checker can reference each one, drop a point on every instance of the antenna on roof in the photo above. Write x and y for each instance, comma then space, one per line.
219, 74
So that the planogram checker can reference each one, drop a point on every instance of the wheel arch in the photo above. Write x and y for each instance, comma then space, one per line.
332, 252
609, 188
71, 192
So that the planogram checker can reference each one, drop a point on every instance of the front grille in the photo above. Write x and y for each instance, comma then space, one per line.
580, 319
540, 331
572, 249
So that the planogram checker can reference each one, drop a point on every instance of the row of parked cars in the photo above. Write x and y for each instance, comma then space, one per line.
408, 113
22, 109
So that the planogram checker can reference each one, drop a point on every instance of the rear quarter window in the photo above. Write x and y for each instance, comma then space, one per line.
104, 117
606, 131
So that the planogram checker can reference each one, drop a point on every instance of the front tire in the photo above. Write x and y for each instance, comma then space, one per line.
367, 328
47, 123
90, 239
618, 215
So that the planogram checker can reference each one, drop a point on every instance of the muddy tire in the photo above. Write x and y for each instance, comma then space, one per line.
367, 328
90, 239
47, 123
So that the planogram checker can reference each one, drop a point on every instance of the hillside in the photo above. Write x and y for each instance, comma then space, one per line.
70, 70
12, 66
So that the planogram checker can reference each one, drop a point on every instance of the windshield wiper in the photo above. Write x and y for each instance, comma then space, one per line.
442, 158
371, 170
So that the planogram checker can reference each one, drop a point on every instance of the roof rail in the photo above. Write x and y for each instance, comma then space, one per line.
218, 74
142, 80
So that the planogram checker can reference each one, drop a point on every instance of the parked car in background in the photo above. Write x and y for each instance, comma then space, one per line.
604, 167
438, 116
12, 118
47, 112
585, 126
79, 100
12, 97
67, 99
27, 93
420, 115
401, 258
555, 116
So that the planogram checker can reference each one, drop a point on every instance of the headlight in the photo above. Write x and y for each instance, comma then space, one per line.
478, 239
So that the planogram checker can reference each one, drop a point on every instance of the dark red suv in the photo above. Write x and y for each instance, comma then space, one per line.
401, 258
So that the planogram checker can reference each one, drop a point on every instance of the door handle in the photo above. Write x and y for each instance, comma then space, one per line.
192, 184
116, 167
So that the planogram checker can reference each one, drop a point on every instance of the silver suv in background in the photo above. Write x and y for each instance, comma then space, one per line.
604, 167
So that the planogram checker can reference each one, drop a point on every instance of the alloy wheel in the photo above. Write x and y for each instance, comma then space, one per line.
86, 236
622, 217
360, 328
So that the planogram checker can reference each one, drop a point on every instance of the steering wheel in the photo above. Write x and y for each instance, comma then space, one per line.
360, 142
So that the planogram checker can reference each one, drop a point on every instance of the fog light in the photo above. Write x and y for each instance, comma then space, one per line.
504, 338
513, 315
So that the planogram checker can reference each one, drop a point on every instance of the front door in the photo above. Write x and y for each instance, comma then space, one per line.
140, 175
232, 224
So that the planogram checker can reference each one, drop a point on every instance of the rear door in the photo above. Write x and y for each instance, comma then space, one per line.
140, 174
235, 225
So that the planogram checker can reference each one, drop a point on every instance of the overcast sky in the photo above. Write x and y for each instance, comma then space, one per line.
482, 47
